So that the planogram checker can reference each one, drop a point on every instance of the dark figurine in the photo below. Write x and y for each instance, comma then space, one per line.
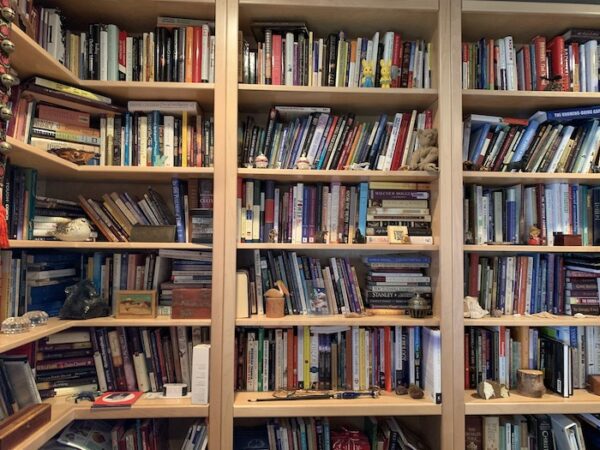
401, 390
321, 237
415, 392
554, 83
86, 395
83, 302
359, 238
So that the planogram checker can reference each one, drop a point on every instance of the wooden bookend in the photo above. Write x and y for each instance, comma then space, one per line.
593, 384
530, 383
16, 428
567, 239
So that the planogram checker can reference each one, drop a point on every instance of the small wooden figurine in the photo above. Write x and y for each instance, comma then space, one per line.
321, 237
530, 383
534, 236
273, 236
274, 300
386, 73
368, 73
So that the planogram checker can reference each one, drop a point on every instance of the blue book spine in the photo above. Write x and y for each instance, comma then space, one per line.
124, 271
586, 112
126, 139
179, 214
372, 157
155, 138
40, 294
363, 202
544, 286
478, 139
524, 143
97, 271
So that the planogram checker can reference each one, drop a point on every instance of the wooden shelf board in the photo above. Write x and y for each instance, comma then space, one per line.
108, 245
533, 321
495, 102
335, 320
203, 93
61, 415
345, 176
159, 321
54, 325
346, 247
530, 249
425, 5
53, 167
259, 98
510, 178
581, 401
388, 404
145, 408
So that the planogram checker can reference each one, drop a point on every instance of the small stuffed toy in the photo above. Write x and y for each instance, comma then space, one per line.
426, 155
368, 73
386, 73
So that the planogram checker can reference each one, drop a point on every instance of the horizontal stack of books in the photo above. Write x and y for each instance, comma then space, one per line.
305, 213
567, 62
393, 280
313, 288
65, 364
507, 214
289, 54
530, 432
177, 50
534, 283
566, 355
338, 358
330, 141
553, 142
61, 119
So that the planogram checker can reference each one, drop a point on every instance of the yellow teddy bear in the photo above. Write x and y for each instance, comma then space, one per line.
368, 73
386, 73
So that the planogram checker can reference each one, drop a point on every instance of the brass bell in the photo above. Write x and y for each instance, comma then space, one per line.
8, 13
5, 112
5, 147
8, 46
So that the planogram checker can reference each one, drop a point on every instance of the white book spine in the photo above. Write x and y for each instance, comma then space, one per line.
100, 372
211, 67
289, 59
169, 140
205, 53
129, 59
103, 55
141, 372
200, 374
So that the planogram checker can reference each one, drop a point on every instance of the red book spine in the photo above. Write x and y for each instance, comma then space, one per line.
473, 289
122, 55
428, 118
541, 68
561, 282
465, 68
556, 48
396, 60
399, 149
276, 63
197, 55
387, 357
347, 146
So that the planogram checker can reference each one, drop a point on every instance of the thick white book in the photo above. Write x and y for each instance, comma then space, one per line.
129, 59
100, 372
431, 363
205, 53
289, 59
141, 372
241, 306
200, 374
169, 140
112, 53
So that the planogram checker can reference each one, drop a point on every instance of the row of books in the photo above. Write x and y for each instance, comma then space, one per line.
494, 214
147, 133
339, 358
329, 141
37, 280
567, 62
177, 50
532, 432
566, 355
309, 213
534, 283
289, 54
150, 434
121, 359
504, 144
308, 433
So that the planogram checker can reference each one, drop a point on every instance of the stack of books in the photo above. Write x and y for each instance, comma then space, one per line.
143, 359
567, 62
534, 283
199, 199
566, 355
551, 141
289, 54
395, 279
507, 214
331, 141
65, 364
305, 213
313, 288
339, 358
177, 50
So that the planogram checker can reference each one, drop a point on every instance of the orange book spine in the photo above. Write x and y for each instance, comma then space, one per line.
197, 55
189, 53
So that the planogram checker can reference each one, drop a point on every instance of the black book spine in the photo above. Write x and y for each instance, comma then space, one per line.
175, 55
332, 58
596, 215
545, 438
377, 67
168, 56
157, 54
106, 358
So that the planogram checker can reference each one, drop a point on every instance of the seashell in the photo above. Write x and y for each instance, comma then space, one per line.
76, 230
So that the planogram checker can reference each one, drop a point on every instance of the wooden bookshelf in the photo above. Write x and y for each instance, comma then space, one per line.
126, 246
337, 320
343, 176
388, 404
534, 321
348, 247
10, 341
511, 178
493, 248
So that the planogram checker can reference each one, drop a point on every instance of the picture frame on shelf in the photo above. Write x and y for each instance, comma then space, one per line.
136, 304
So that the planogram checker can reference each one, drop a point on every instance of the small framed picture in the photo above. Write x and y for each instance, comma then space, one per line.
136, 304
398, 234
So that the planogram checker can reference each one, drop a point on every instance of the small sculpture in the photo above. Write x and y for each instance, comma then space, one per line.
303, 163
83, 302
273, 236
321, 237
368, 73
492, 389
359, 238
359, 166
385, 80
497, 312
418, 306
426, 155
401, 390
415, 392
274, 300
472, 309
73, 155
468, 237
76, 230
534, 236
468, 165
554, 83
261, 162
530, 383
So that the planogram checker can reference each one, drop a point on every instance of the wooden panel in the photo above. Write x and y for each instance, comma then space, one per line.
122, 91
424, 5
388, 404
339, 320
343, 176
108, 245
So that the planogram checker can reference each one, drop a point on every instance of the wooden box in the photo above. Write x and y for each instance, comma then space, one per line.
594, 384
567, 239
191, 303
19, 426
152, 233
